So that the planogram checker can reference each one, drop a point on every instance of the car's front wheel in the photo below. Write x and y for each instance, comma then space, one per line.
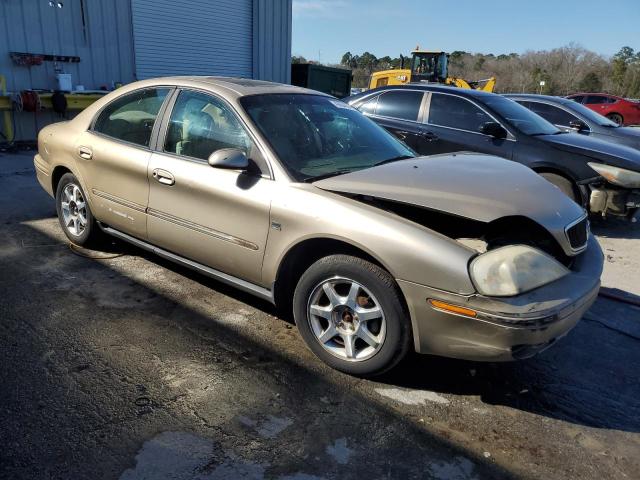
74, 213
350, 313
565, 185
616, 118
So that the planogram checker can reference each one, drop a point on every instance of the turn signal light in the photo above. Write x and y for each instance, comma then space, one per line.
452, 308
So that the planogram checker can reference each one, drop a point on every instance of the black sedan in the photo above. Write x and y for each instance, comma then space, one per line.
431, 119
568, 115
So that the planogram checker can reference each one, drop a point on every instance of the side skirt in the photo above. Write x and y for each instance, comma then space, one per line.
248, 287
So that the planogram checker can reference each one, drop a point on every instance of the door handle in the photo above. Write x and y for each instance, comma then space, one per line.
164, 177
85, 152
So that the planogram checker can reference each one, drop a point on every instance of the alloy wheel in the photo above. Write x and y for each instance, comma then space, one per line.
346, 319
74, 210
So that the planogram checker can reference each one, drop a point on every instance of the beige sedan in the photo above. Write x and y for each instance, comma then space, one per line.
297, 198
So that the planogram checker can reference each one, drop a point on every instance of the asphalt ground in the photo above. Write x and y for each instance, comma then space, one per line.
127, 366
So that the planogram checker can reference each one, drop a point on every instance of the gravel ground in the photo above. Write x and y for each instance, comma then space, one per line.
127, 366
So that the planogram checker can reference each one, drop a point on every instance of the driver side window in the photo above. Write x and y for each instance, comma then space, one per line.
201, 124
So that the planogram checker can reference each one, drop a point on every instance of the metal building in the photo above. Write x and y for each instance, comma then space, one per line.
101, 43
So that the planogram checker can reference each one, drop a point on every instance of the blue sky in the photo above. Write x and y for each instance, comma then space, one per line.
390, 27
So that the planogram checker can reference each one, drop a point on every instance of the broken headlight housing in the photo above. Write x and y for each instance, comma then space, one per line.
617, 176
514, 269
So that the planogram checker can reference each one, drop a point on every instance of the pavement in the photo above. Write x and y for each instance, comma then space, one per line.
118, 364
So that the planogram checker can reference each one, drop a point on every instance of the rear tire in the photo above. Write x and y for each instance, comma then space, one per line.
350, 314
566, 186
74, 214
616, 117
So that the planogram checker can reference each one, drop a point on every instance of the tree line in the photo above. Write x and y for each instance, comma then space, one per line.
564, 70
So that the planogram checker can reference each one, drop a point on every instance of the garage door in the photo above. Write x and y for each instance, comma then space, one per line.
198, 37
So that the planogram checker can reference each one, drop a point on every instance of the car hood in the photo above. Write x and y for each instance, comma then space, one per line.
471, 185
628, 133
601, 150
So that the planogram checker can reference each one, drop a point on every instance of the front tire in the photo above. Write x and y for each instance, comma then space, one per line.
616, 118
74, 213
565, 185
350, 314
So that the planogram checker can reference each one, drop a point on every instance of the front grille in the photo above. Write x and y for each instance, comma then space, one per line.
578, 234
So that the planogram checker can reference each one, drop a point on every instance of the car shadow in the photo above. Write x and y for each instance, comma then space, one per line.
571, 381
111, 332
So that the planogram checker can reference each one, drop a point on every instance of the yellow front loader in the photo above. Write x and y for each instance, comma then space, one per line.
427, 66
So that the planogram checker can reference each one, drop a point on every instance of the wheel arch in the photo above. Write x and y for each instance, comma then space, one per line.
57, 174
301, 255
556, 170
608, 114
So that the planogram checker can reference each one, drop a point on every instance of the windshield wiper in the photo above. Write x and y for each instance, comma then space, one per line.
394, 159
335, 173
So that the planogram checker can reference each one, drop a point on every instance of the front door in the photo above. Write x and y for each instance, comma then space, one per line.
114, 154
454, 125
216, 217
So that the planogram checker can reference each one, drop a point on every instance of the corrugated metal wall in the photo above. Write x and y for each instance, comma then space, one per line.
199, 37
272, 40
103, 41
244, 38
119, 40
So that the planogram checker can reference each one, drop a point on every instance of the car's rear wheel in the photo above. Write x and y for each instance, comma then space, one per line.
615, 117
350, 313
74, 213
564, 184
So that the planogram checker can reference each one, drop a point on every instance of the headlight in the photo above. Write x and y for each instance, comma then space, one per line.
514, 269
617, 176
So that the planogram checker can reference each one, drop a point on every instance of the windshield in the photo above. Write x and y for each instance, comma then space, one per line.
521, 117
317, 136
591, 115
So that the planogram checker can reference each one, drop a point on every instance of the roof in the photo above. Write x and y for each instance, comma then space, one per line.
434, 87
533, 96
229, 86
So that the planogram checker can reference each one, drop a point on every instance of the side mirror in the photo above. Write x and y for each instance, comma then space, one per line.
229, 158
577, 125
493, 129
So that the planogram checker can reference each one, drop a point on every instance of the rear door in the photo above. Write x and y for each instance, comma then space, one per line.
113, 156
454, 123
401, 113
217, 217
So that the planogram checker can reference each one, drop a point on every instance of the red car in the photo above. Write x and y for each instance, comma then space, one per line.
617, 109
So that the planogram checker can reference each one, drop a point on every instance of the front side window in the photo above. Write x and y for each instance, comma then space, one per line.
456, 112
316, 136
201, 124
404, 105
369, 106
519, 117
577, 98
553, 114
130, 118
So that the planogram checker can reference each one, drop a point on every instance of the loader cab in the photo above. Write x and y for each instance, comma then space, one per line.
429, 66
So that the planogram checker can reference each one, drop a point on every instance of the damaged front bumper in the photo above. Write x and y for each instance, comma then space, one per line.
508, 328
609, 200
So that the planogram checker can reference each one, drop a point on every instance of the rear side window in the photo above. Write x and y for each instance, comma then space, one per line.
577, 98
130, 118
595, 99
400, 104
456, 112
552, 114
